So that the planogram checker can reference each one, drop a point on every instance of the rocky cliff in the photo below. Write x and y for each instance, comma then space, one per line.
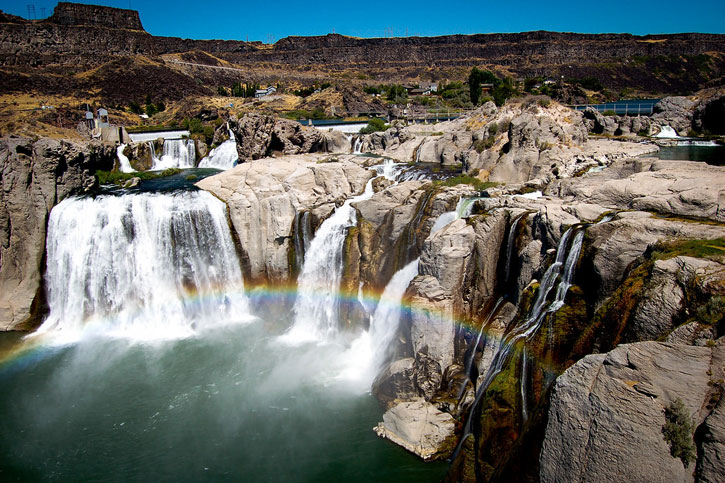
81, 35
36, 175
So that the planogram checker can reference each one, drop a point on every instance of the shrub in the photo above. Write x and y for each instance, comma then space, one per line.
374, 125
678, 430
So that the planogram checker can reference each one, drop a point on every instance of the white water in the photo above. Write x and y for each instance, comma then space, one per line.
666, 132
700, 143
178, 153
367, 353
144, 267
534, 195
463, 210
357, 147
123, 162
316, 306
224, 156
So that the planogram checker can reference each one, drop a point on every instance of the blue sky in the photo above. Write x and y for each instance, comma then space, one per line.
268, 21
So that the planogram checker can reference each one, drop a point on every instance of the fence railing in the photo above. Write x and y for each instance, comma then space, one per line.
628, 109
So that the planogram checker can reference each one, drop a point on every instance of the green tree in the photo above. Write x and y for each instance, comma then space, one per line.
397, 93
504, 90
478, 77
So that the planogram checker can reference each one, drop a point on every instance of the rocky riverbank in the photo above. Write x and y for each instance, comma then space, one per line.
572, 298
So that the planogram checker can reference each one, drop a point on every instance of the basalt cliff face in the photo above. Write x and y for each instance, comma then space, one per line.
81, 35
36, 175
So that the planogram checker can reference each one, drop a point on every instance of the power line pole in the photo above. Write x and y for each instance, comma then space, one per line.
42, 12
31, 12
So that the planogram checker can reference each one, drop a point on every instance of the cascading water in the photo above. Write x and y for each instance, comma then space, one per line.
123, 162
316, 306
667, 132
142, 266
302, 237
367, 353
565, 257
178, 153
224, 156
357, 146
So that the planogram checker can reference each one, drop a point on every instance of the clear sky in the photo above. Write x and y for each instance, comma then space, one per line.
273, 20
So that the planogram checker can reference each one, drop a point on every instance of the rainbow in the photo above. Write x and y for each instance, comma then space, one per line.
32, 347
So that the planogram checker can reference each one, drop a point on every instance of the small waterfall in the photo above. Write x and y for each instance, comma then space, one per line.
316, 306
667, 132
384, 323
524, 384
224, 156
178, 153
510, 247
142, 266
357, 146
524, 331
363, 360
123, 162
474, 348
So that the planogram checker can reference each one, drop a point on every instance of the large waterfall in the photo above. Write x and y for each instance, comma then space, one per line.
142, 266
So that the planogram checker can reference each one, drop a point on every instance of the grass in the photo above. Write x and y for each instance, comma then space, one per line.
707, 249
464, 179
118, 178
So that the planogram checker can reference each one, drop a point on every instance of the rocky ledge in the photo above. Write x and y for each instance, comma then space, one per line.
36, 175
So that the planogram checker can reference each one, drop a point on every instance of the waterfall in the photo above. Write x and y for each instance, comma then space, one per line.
316, 306
363, 360
384, 323
357, 146
141, 266
123, 162
474, 348
178, 153
224, 156
510, 247
565, 257
463, 210
524, 385
667, 132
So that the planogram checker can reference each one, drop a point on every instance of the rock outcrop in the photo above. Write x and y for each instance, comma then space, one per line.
261, 136
36, 175
264, 197
675, 112
607, 414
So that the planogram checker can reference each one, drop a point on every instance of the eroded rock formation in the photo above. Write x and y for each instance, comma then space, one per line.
36, 175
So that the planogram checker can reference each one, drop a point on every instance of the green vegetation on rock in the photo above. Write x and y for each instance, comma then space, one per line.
678, 430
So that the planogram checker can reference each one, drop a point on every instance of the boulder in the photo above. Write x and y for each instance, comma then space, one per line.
36, 175
420, 428
261, 136
607, 412
675, 112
